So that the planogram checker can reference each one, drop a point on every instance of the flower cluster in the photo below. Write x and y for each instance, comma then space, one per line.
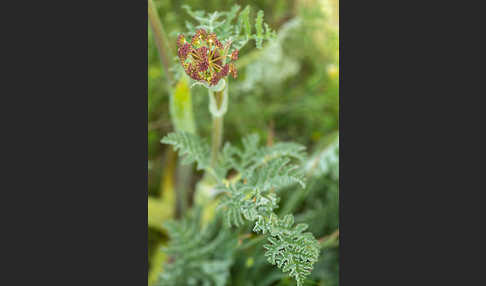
205, 58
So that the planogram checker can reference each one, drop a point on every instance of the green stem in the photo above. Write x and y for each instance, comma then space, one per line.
251, 242
160, 38
184, 173
217, 106
217, 138
330, 240
218, 102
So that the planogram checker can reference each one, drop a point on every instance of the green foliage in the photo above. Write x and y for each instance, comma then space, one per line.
251, 156
286, 91
325, 161
221, 23
197, 255
290, 249
264, 171
322, 201
259, 29
244, 21
191, 148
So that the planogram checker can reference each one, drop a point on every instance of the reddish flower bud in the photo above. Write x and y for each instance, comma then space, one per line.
202, 62
203, 66
203, 34
234, 55
191, 71
215, 79
214, 40
183, 51
199, 36
232, 70
224, 71
194, 74
187, 69
203, 52
217, 58
180, 40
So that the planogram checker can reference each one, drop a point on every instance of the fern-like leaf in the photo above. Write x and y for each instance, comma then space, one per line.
263, 171
221, 24
259, 29
325, 161
190, 147
198, 256
281, 150
276, 174
290, 249
241, 159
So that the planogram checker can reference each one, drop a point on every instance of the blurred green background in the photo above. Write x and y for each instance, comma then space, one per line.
289, 91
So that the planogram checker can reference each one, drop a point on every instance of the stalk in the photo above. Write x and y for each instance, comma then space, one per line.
217, 131
218, 105
182, 120
180, 104
184, 173
160, 38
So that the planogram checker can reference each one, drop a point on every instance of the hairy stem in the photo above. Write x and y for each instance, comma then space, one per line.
160, 38
216, 139
218, 102
184, 173
217, 132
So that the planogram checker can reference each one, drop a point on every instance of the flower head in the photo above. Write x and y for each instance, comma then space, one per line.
205, 58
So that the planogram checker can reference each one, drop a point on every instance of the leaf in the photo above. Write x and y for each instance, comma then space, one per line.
221, 24
199, 254
259, 29
325, 161
291, 250
244, 22
190, 147
268, 32
282, 149
253, 198
231, 15
276, 174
